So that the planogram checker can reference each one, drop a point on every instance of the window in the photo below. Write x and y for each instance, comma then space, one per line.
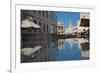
59, 27
39, 12
43, 13
47, 27
84, 22
62, 28
40, 26
46, 14
43, 27
35, 11
39, 23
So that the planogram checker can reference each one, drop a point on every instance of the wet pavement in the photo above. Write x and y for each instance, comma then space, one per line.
54, 49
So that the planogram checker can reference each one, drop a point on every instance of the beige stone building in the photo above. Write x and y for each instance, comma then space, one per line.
60, 28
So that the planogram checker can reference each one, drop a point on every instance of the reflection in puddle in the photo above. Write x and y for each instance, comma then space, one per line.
30, 51
55, 50
74, 49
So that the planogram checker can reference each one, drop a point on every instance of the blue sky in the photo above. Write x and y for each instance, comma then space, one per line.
65, 17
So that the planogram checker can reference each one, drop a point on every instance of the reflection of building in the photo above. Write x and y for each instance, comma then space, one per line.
83, 44
61, 43
30, 51
85, 53
47, 20
39, 51
60, 28
80, 41
85, 49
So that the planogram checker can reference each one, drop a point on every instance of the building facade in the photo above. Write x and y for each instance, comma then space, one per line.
35, 27
84, 19
84, 25
60, 28
47, 20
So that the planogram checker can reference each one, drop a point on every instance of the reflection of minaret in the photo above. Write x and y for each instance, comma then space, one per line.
70, 41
